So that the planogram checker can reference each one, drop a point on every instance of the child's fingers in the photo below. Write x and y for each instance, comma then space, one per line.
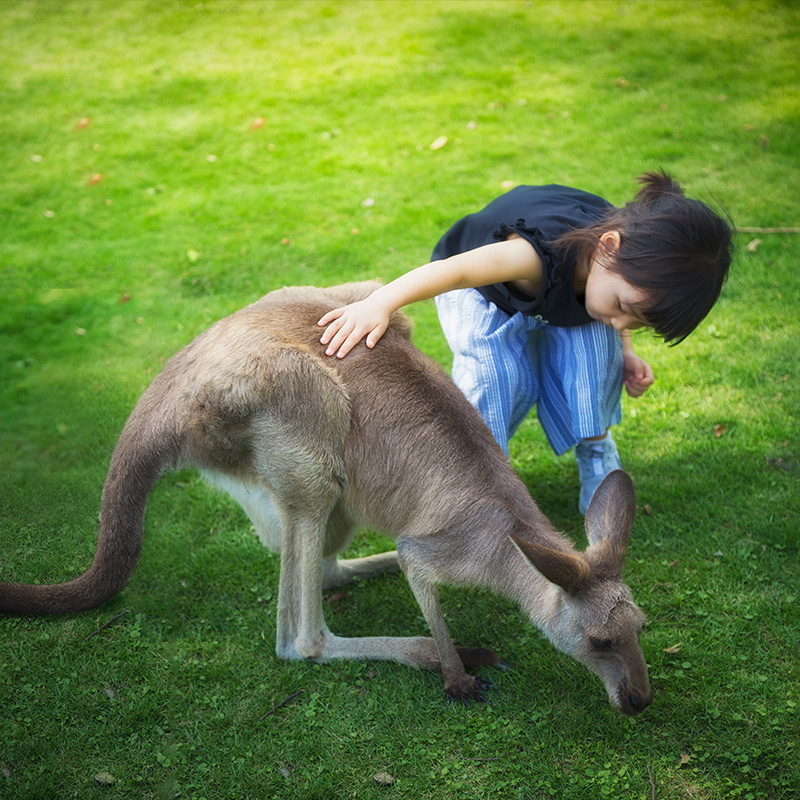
331, 331
375, 335
349, 343
330, 316
357, 334
342, 331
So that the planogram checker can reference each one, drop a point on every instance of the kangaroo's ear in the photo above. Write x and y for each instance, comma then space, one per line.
609, 520
567, 570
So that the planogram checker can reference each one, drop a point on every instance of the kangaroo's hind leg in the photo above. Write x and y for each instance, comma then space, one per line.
293, 480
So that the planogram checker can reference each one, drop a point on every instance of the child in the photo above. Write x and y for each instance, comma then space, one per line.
537, 295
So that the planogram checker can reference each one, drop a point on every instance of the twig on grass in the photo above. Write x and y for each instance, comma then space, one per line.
471, 758
652, 783
280, 705
768, 230
105, 625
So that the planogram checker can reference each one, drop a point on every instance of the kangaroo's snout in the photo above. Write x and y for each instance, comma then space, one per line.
633, 703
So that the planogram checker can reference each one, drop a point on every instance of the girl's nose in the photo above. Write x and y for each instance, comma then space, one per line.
620, 323
625, 322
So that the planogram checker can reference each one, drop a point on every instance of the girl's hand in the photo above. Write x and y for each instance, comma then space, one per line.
637, 376
348, 325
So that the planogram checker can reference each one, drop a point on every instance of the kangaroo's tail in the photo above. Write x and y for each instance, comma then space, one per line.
140, 458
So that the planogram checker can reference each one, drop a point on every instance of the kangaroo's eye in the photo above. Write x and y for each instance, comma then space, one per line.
598, 643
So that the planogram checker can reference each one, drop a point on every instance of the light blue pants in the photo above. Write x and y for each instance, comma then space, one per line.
506, 365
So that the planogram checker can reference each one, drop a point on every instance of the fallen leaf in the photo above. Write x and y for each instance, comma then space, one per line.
95, 179
685, 758
335, 601
355, 231
257, 123
80, 331
286, 240
719, 430
438, 144
675, 648
383, 779
105, 778
126, 298
83, 122
753, 246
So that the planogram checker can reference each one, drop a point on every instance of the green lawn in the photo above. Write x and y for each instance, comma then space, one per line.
165, 163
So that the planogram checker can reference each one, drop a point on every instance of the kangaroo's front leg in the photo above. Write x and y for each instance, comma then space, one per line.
458, 685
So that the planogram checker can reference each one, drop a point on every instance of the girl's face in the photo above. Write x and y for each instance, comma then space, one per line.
609, 297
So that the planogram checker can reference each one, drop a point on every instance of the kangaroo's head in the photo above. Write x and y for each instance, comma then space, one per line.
594, 618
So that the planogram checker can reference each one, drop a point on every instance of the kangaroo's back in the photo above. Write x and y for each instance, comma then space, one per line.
414, 439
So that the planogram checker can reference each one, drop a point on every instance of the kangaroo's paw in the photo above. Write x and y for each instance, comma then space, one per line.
469, 689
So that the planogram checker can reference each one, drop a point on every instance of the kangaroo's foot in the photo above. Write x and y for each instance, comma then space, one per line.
468, 689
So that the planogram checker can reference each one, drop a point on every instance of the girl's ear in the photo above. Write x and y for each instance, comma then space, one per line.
611, 241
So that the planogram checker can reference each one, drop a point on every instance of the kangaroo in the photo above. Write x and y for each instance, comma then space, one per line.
313, 447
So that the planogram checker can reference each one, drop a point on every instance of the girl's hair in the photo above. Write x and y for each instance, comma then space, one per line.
675, 248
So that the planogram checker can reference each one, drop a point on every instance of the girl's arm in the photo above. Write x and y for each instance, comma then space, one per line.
512, 259
637, 375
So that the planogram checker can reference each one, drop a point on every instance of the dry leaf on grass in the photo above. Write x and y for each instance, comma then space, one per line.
95, 179
335, 601
438, 144
719, 430
383, 779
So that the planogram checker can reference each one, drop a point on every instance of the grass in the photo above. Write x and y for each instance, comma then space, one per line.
199, 211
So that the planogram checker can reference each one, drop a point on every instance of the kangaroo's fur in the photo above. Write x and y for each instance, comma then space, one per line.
313, 447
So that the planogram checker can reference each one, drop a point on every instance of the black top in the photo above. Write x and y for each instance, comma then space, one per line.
539, 214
